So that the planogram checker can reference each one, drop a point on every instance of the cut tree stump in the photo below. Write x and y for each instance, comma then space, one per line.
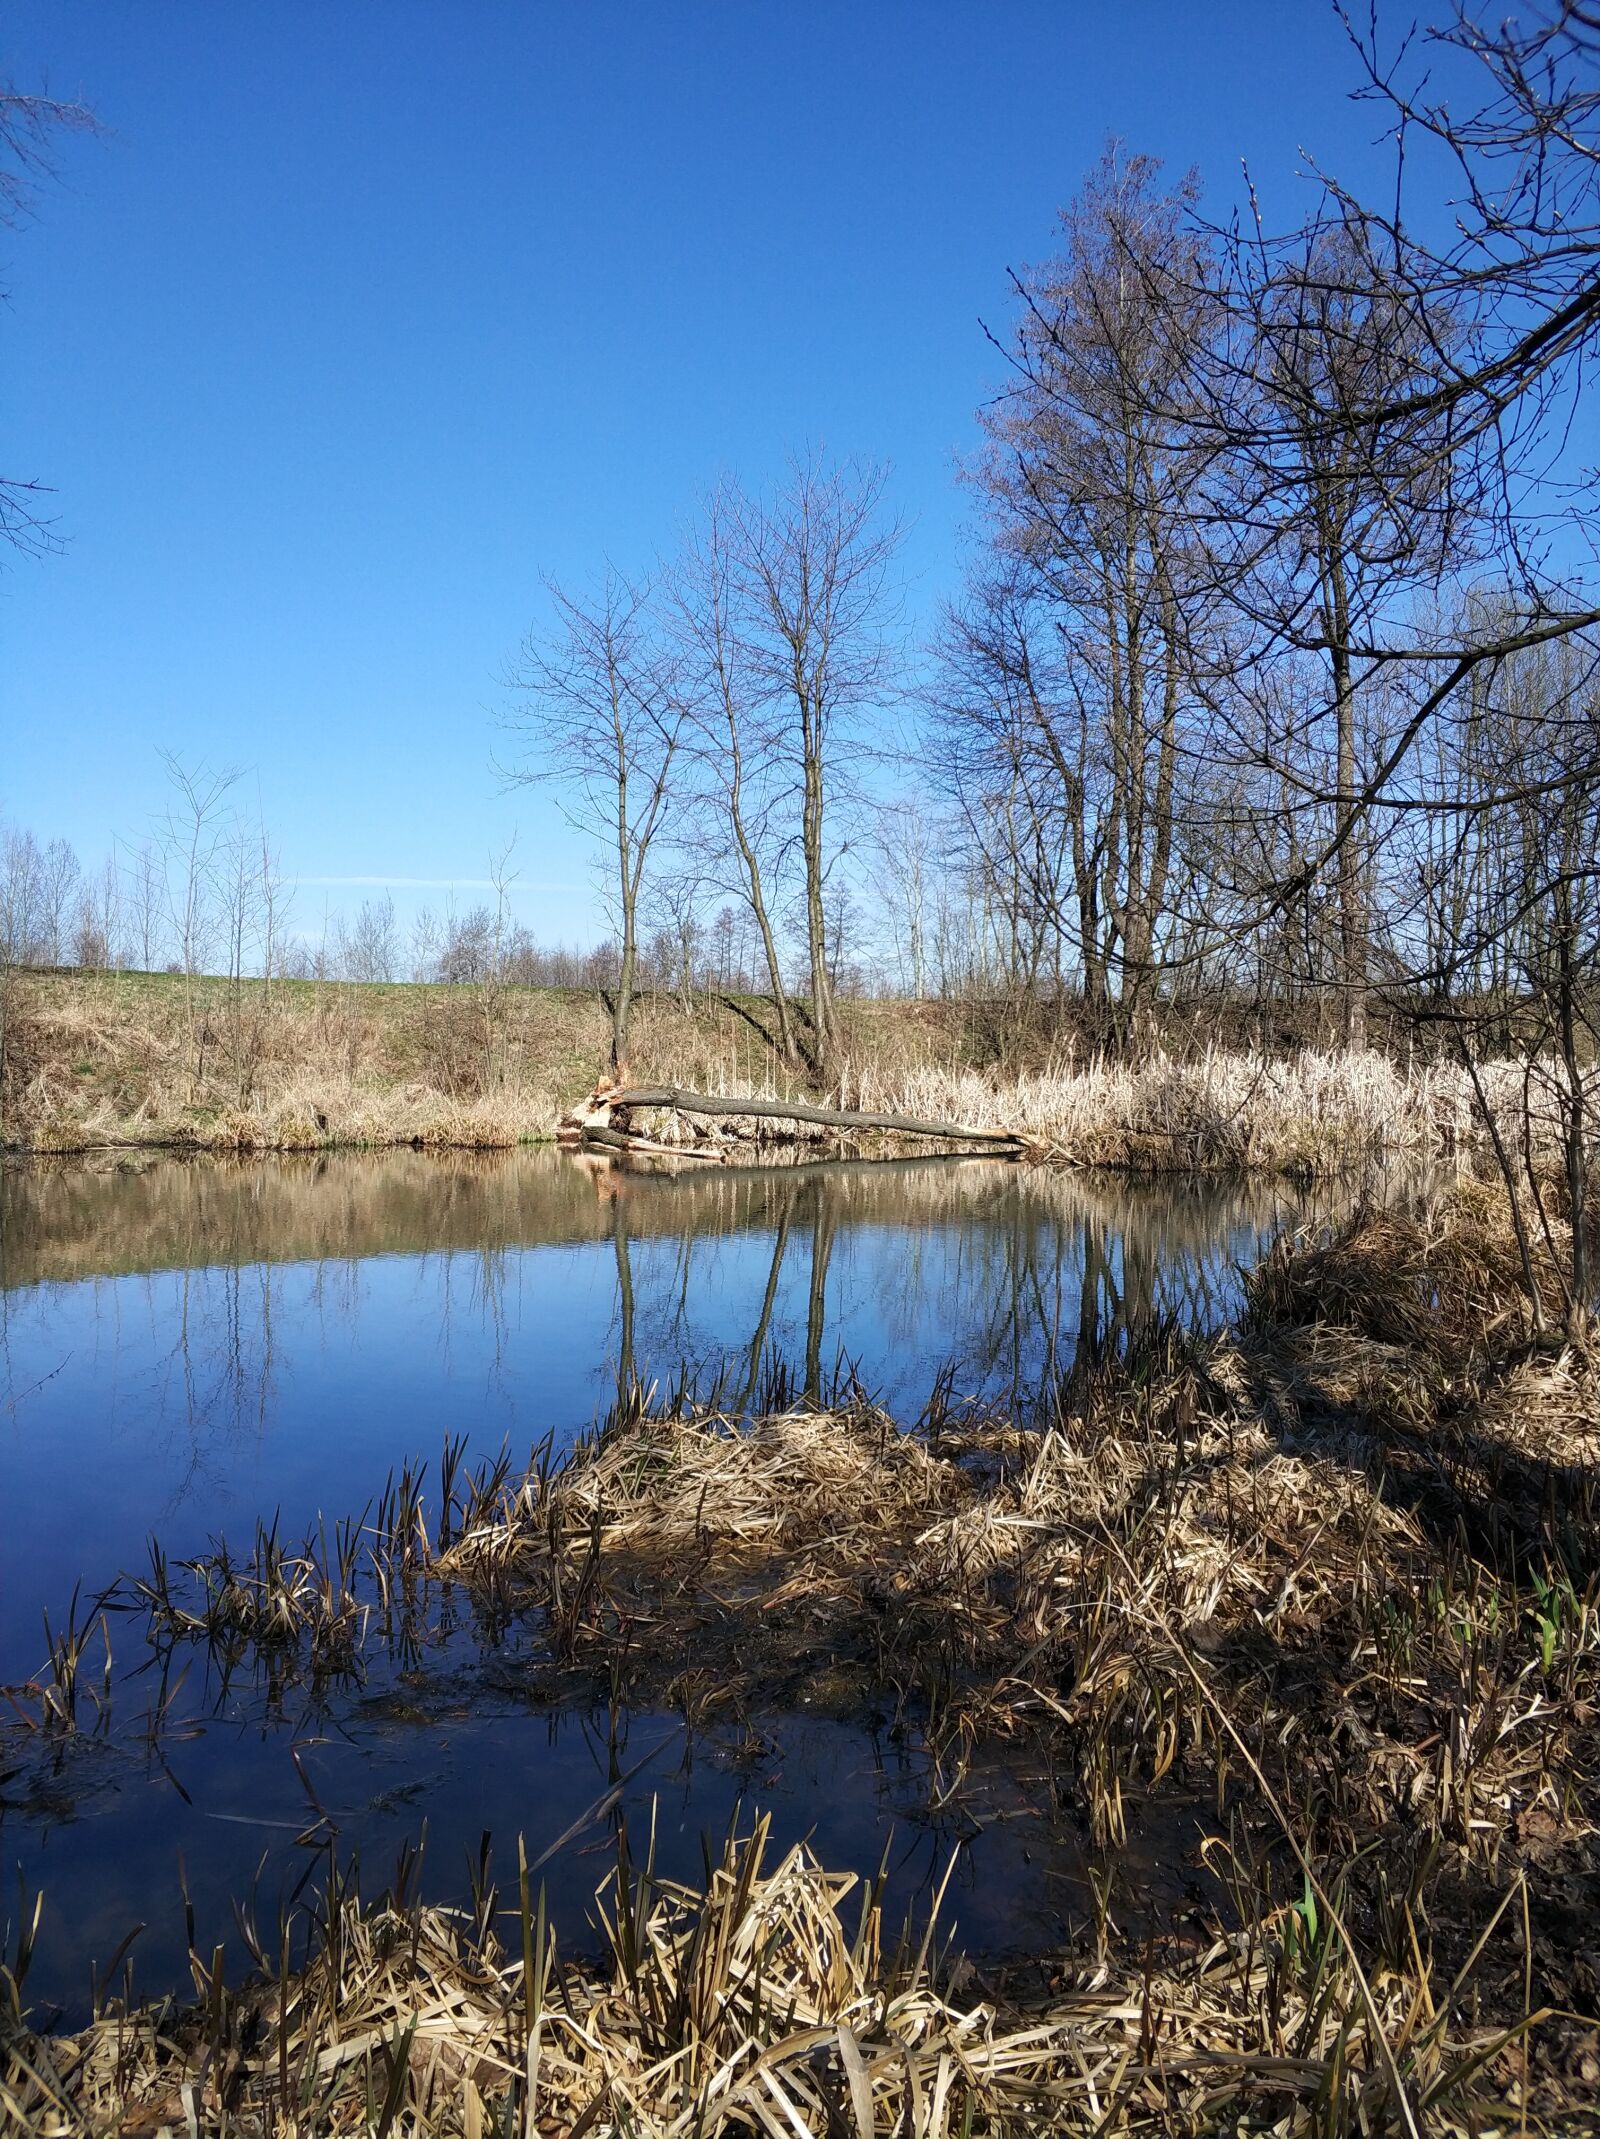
591, 1120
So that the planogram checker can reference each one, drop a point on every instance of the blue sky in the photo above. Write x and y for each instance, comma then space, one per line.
358, 319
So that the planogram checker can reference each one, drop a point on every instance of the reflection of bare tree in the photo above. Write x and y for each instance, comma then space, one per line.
823, 1219
1012, 1275
763, 1328
625, 1305
214, 1374
1016, 1276
487, 1306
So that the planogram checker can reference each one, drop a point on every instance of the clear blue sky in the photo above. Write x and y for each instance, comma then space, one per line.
360, 317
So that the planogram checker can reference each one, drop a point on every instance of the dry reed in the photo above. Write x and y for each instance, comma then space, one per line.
104, 1061
1331, 1583
763, 2004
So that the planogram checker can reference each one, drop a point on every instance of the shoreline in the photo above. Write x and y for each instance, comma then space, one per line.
773, 1153
1333, 1572
142, 1063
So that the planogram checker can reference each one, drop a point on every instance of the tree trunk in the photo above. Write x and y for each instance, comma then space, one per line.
1352, 944
684, 1102
816, 917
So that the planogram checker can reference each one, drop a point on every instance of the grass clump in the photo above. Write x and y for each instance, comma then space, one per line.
764, 2002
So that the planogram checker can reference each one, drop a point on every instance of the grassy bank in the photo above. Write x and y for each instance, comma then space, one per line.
148, 1060
1328, 1588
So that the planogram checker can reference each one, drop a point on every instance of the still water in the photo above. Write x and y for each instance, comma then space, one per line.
188, 1347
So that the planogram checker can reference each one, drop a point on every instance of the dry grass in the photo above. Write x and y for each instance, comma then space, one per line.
763, 2005
102, 1060
99, 1060
1330, 1584
106, 1061
1306, 1114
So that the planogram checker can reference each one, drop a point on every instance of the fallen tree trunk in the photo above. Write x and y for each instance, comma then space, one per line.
618, 1140
671, 1095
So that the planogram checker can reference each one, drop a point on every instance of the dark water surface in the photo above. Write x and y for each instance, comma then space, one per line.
188, 1347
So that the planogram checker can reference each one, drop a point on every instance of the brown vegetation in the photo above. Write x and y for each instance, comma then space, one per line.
1329, 1587
126, 1060
106, 1061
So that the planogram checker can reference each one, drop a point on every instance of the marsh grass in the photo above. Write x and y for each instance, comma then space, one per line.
98, 1061
765, 2001
68, 1694
106, 1060
1328, 1586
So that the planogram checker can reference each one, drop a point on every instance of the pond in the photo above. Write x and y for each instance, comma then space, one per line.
188, 1347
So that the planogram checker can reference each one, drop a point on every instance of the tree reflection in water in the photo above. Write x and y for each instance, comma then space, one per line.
1011, 1279
186, 1346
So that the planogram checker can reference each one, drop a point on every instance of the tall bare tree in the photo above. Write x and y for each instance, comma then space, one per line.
144, 900
598, 720
1069, 673
738, 823
193, 832
1385, 412
813, 570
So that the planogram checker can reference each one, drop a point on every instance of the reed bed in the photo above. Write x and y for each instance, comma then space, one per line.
1307, 1113
138, 1060
1327, 1586
764, 2003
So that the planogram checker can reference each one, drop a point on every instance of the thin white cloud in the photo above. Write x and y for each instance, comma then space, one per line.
426, 883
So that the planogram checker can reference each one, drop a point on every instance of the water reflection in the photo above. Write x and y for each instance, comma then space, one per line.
185, 1346
1011, 1277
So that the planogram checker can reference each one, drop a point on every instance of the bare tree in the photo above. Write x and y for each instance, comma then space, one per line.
19, 903
97, 930
145, 901
1512, 267
905, 843
59, 879
241, 902
1384, 413
675, 906
734, 745
192, 835
369, 949
1326, 537
599, 721
1070, 673
107, 904
425, 944
30, 127
1494, 933
275, 897
812, 570
238, 893
467, 949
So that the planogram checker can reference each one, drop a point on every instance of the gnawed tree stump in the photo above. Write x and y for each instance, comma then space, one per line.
604, 1119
